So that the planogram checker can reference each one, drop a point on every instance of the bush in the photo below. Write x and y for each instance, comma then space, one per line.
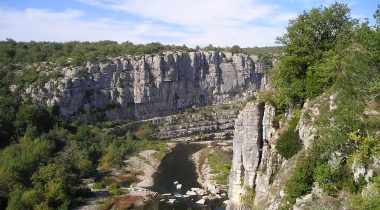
249, 196
329, 179
113, 158
288, 142
144, 132
301, 180
32, 115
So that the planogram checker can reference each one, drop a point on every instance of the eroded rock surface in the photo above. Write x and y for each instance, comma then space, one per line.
255, 158
141, 87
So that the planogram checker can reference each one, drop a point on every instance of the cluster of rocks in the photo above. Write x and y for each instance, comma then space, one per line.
141, 87
198, 195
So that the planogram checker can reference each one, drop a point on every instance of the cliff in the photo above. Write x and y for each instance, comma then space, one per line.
255, 159
141, 87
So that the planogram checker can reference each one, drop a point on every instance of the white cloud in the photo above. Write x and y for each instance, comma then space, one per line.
190, 13
38, 25
196, 22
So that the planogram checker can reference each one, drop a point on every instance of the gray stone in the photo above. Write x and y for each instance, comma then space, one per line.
153, 85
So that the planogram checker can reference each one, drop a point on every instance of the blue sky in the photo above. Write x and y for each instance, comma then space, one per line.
246, 23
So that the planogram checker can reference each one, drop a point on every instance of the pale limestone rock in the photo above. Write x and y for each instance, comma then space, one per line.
141, 87
201, 201
255, 158
306, 128
247, 146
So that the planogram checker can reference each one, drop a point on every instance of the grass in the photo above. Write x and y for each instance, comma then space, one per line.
220, 164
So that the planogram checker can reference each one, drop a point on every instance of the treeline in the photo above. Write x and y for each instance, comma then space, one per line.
327, 51
12, 52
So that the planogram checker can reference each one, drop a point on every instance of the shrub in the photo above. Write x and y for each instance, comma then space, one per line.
288, 142
32, 115
249, 196
301, 180
144, 132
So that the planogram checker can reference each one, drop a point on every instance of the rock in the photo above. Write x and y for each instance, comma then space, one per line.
195, 189
358, 171
171, 201
191, 193
300, 202
201, 201
255, 158
201, 192
214, 191
247, 147
143, 87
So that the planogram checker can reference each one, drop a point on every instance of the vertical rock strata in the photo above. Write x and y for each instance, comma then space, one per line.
255, 159
141, 87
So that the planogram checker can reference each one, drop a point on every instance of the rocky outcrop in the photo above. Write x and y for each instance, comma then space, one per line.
201, 123
141, 87
255, 159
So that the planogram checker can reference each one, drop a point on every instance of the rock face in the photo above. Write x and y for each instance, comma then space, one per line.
256, 163
141, 87
255, 158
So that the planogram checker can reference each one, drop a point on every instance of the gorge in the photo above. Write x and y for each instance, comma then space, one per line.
108, 125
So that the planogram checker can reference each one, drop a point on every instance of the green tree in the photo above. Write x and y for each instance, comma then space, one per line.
310, 38
235, 49
54, 183
32, 115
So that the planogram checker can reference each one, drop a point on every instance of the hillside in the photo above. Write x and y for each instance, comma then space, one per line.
315, 144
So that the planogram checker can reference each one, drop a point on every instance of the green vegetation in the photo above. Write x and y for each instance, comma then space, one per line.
220, 164
43, 158
76, 53
313, 45
13, 52
249, 197
326, 51
264, 52
288, 142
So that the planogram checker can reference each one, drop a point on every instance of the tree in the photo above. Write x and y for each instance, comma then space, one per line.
311, 38
54, 183
235, 49
8, 110
32, 115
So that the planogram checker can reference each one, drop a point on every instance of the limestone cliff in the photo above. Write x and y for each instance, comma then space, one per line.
141, 87
255, 159
256, 163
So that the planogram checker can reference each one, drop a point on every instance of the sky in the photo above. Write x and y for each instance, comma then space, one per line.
247, 23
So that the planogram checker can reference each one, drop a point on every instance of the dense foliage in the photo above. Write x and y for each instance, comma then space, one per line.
288, 142
43, 158
312, 47
325, 50
12, 52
